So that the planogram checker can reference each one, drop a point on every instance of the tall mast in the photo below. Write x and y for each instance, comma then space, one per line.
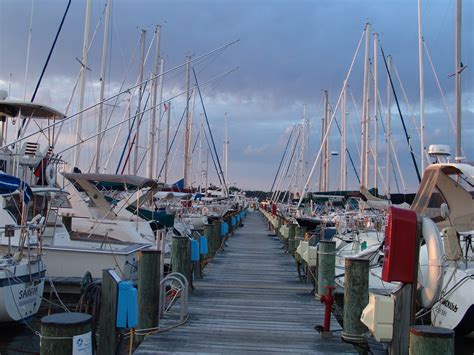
201, 133
102, 85
326, 142
226, 147
389, 128
422, 90
376, 115
187, 132
85, 46
323, 175
364, 120
167, 141
343, 140
458, 80
154, 89
303, 147
160, 113
139, 105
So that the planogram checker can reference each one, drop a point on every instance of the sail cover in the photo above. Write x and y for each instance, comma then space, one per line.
10, 184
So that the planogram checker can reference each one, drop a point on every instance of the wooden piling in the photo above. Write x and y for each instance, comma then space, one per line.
181, 257
326, 265
208, 232
356, 298
217, 235
148, 288
108, 339
429, 340
58, 329
291, 238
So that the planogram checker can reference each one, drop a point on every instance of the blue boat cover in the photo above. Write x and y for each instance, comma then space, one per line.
9, 184
127, 305
224, 229
203, 245
194, 250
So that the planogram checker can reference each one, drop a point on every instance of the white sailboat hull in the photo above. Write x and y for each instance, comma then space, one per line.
21, 289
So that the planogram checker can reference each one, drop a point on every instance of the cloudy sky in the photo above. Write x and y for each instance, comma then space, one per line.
289, 52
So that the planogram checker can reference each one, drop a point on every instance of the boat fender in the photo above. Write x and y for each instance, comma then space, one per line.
50, 174
431, 265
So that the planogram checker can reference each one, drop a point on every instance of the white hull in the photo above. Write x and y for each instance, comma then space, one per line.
456, 309
21, 289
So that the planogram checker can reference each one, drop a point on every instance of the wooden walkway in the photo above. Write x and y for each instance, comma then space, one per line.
250, 301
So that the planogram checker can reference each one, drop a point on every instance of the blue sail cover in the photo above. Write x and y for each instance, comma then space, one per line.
9, 184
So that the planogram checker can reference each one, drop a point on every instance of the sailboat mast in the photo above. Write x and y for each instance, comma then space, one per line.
226, 147
85, 46
376, 115
389, 128
187, 133
422, 90
139, 105
363, 146
152, 128
160, 113
343, 140
458, 79
167, 141
102, 85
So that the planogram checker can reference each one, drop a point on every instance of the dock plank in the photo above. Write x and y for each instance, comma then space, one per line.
250, 301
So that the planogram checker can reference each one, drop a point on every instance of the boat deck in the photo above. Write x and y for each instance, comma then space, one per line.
250, 300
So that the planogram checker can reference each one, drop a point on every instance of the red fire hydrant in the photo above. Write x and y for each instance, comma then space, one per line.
328, 300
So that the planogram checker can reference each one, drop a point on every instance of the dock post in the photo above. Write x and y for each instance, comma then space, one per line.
109, 335
217, 235
208, 232
426, 339
291, 238
181, 257
57, 331
326, 265
148, 288
356, 298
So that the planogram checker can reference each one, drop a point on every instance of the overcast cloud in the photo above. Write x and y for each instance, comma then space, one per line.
289, 51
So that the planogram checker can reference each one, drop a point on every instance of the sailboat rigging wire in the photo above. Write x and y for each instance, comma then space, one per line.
210, 134
281, 161
123, 92
401, 116
281, 176
24, 124
121, 122
347, 150
212, 156
172, 142
332, 118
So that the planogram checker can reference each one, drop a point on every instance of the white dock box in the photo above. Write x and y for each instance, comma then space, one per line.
378, 317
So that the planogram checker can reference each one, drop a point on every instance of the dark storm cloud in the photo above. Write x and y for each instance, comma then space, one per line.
288, 52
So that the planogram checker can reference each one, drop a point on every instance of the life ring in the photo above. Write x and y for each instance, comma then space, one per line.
431, 265
50, 174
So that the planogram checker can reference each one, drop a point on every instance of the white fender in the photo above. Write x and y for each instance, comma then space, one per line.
431, 268
50, 175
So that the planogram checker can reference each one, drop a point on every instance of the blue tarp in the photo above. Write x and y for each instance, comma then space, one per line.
127, 307
9, 184
194, 250
203, 245
224, 229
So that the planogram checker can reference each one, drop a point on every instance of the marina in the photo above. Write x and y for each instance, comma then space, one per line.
213, 177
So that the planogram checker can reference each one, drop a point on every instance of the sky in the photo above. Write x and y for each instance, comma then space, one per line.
288, 53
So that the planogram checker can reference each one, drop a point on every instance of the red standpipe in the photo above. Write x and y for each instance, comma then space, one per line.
328, 301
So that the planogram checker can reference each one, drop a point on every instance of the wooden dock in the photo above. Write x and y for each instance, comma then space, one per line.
250, 301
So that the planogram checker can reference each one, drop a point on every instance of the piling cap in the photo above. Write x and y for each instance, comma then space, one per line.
431, 332
67, 319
